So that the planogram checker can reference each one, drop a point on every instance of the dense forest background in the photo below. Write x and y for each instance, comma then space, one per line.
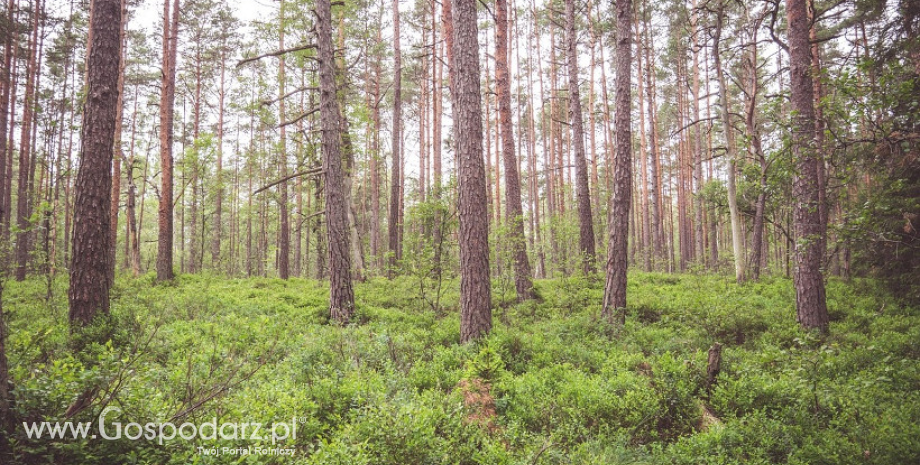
243, 124
488, 159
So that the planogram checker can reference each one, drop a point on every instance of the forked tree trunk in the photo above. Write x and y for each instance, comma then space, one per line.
811, 304
475, 290
341, 293
89, 271
753, 133
614, 305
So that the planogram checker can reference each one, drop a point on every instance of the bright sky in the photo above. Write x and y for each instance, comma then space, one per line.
148, 14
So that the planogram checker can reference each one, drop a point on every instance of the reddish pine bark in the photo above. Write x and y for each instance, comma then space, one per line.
811, 305
583, 194
615, 289
395, 220
89, 271
475, 291
341, 293
514, 210
167, 103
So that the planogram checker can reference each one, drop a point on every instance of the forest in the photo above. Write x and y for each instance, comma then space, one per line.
460, 232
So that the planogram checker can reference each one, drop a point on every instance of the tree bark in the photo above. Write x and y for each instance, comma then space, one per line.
219, 169
698, 210
26, 165
5, 152
395, 220
614, 304
656, 226
341, 294
89, 272
284, 242
167, 103
734, 214
753, 134
514, 210
475, 290
118, 154
586, 223
811, 304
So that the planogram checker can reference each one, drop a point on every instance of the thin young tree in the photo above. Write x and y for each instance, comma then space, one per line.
89, 271
614, 305
284, 233
475, 291
118, 154
733, 210
395, 220
810, 300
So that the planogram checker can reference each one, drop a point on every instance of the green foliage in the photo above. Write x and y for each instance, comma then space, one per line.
388, 389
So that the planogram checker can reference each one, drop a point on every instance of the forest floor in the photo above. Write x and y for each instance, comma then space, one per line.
552, 384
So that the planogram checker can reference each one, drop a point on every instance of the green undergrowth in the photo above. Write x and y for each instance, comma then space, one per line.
553, 383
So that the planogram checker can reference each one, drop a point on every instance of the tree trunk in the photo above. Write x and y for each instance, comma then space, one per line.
89, 272
734, 214
118, 154
586, 223
284, 242
219, 169
811, 305
698, 210
475, 290
614, 305
656, 225
341, 294
167, 103
395, 224
26, 165
514, 210
753, 134
5, 153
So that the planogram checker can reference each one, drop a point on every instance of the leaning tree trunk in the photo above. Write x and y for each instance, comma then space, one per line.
811, 306
514, 211
89, 271
618, 221
475, 291
341, 294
